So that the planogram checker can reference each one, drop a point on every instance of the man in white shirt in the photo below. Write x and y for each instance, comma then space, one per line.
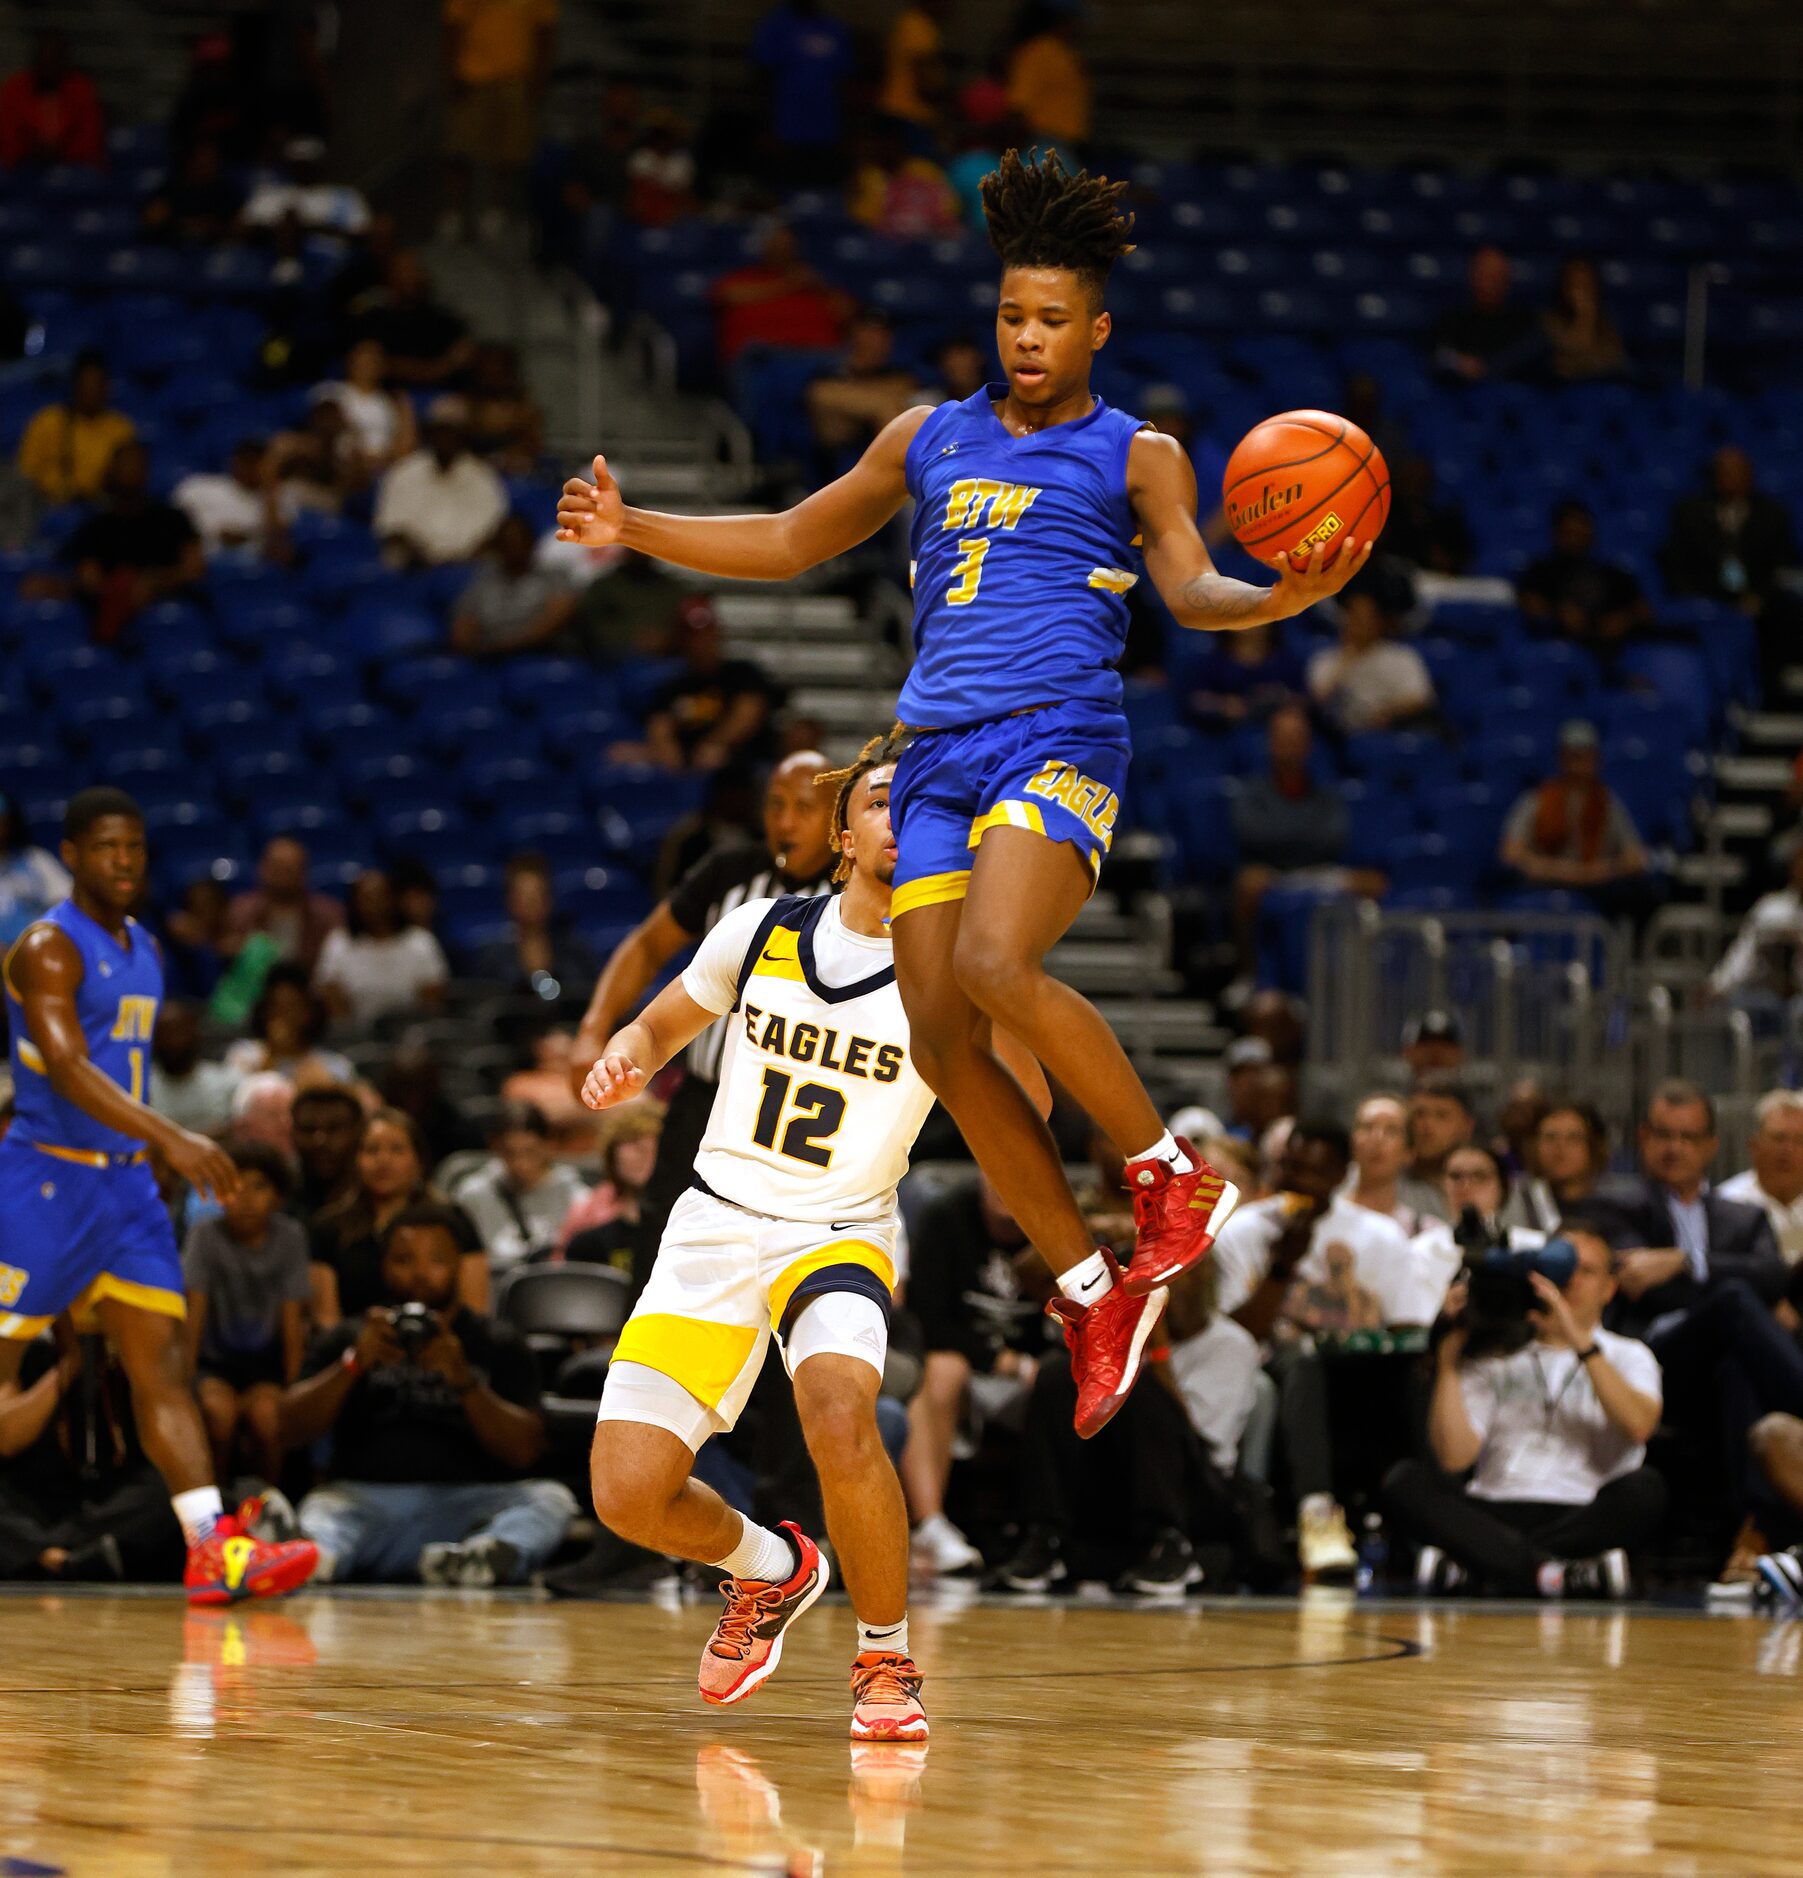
1368, 682
1762, 971
1775, 1179
441, 503
299, 189
244, 508
1556, 1435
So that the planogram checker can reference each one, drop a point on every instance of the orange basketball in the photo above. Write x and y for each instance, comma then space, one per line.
1303, 479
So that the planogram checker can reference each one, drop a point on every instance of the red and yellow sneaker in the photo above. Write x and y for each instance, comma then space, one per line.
885, 1699
747, 1643
229, 1565
1178, 1216
1107, 1341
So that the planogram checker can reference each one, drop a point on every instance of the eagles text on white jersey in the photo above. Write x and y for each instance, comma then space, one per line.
819, 1103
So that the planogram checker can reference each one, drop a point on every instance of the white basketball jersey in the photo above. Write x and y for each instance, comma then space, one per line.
819, 1103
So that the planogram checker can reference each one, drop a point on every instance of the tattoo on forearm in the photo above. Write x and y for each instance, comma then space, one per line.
1225, 601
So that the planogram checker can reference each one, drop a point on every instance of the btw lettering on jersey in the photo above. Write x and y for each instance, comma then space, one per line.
1004, 503
800, 1042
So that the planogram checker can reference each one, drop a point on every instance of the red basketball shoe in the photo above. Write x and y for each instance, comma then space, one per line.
228, 1565
1107, 1341
1178, 1216
747, 1643
886, 1699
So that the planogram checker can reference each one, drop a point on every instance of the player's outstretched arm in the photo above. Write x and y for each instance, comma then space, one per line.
1161, 484
46, 972
625, 978
751, 547
634, 1055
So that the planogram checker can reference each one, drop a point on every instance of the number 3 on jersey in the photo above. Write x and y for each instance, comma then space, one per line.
818, 1115
968, 573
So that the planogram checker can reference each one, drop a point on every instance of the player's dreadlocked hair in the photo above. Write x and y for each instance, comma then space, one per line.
878, 753
1040, 215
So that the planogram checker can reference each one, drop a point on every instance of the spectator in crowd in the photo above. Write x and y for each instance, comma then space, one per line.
1774, 1181
500, 59
78, 1499
296, 190
193, 1091
507, 428
348, 1235
1290, 828
1440, 1119
1556, 1432
245, 1274
1244, 675
715, 712
67, 448
519, 1199
631, 610
1490, 336
1581, 338
133, 551
442, 502
196, 939
319, 467
1380, 1161
282, 909
898, 191
50, 111
776, 300
1572, 830
512, 604
1368, 681
1570, 1151
607, 1225
547, 1083
1731, 540
245, 507
415, 888
1433, 1044
414, 1083
1761, 972
1474, 1178
328, 1127
1048, 83
963, 368
32, 879
847, 407
425, 343
373, 966
660, 173
263, 1111
1277, 1018
806, 57
198, 205
1572, 592
1259, 1255
379, 419
1523, 1108
541, 953
432, 1414
913, 81
1426, 530
978, 1292
215, 105
286, 1024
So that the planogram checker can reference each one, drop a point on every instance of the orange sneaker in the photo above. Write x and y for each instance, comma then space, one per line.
1107, 1342
229, 1565
1178, 1216
885, 1704
747, 1643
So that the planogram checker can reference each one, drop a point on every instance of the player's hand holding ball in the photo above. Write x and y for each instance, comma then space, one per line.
591, 513
613, 1080
1308, 493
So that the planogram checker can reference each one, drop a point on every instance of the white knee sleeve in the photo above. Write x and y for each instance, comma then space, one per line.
838, 1323
634, 1392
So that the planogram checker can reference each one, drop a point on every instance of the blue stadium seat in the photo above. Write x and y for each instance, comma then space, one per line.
381, 630
580, 731
529, 684
304, 818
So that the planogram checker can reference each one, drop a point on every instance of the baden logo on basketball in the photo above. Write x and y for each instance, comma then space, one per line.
1268, 503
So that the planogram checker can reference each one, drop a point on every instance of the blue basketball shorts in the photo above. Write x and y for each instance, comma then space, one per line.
73, 1233
1057, 771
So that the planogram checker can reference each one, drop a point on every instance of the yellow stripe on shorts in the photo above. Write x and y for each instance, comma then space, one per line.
840, 1252
929, 890
705, 1358
1008, 815
156, 1298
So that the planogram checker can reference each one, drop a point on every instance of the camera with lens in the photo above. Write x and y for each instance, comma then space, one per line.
1499, 1294
414, 1327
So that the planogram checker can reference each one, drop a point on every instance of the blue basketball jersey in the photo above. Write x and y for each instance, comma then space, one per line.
121, 988
1023, 555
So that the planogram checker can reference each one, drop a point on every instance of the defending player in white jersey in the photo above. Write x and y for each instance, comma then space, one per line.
789, 1230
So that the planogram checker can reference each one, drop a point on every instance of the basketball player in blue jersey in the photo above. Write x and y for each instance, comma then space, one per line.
1034, 504
82, 1226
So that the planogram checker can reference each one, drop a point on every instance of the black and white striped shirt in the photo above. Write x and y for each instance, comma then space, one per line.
711, 889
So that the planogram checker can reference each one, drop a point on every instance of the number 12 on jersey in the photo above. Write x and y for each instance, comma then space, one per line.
817, 1115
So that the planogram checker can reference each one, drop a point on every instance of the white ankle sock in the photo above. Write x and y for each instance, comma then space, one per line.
883, 1639
1549, 1580
1167, 1150
761, 1554
199, 1510
1087, 1282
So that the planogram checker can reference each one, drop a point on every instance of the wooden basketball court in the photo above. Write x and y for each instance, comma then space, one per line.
459, 1733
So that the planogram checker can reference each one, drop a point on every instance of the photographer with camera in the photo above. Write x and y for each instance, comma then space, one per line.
432, 1411
1553, 1416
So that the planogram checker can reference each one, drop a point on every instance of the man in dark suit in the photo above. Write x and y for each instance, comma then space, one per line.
1697, 1276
